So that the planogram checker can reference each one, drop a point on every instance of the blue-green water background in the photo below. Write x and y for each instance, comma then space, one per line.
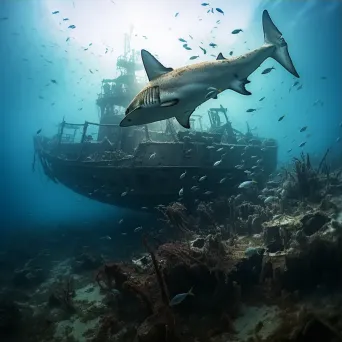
311, 28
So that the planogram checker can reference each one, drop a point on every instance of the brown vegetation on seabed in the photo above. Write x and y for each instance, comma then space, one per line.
297, 253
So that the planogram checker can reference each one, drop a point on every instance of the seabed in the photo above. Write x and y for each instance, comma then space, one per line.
259, 272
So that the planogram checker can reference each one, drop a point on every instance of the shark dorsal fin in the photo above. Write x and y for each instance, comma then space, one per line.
152, 66
220, 57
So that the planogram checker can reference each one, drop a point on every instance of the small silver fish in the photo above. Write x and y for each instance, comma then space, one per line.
181, 191
177, 299
247, 184
271, 199
182, 175
218, 163
202, 178
107, 237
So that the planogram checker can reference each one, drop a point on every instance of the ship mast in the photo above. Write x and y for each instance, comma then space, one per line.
117, 93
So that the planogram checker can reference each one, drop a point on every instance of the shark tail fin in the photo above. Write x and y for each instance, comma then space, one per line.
274, 37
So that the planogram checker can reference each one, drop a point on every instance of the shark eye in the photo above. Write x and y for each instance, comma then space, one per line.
129, 120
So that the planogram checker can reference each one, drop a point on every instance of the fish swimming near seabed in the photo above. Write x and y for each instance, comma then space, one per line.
178, 92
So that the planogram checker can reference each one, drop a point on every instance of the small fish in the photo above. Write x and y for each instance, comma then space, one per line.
54, 81
138, 229
303, 129
231, 53
300, 87
121, 221
263, 98
250, 110
181, 192
182, 175
202, 178
153, 155
72, 27
281, 118
219, 10
39, 130
144, 37
217, 163
204, 4
67, 39
107, 237
222, 180
65, 19
207, 193
177, 299
124, 194
90, 71
247, 184
182, 40
218, 21
176, 15
302, 144
338, 139
270, 199
288, 151
191, 36
236, 31
213, 45
193, 57
204, 50
186, 47
55, 12
267, 70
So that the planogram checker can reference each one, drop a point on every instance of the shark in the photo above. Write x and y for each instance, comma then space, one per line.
178, 92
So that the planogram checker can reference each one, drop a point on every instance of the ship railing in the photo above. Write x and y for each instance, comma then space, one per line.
84, 139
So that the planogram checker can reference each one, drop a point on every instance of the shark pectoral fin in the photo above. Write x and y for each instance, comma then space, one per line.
152, 66
220, 57
239, 86
129, 110
169, 103
184, 119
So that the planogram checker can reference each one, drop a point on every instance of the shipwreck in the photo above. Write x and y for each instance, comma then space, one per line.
141, 167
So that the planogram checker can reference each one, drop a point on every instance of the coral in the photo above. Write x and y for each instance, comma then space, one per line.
63, 295
176, 216
110, 273
306, 181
